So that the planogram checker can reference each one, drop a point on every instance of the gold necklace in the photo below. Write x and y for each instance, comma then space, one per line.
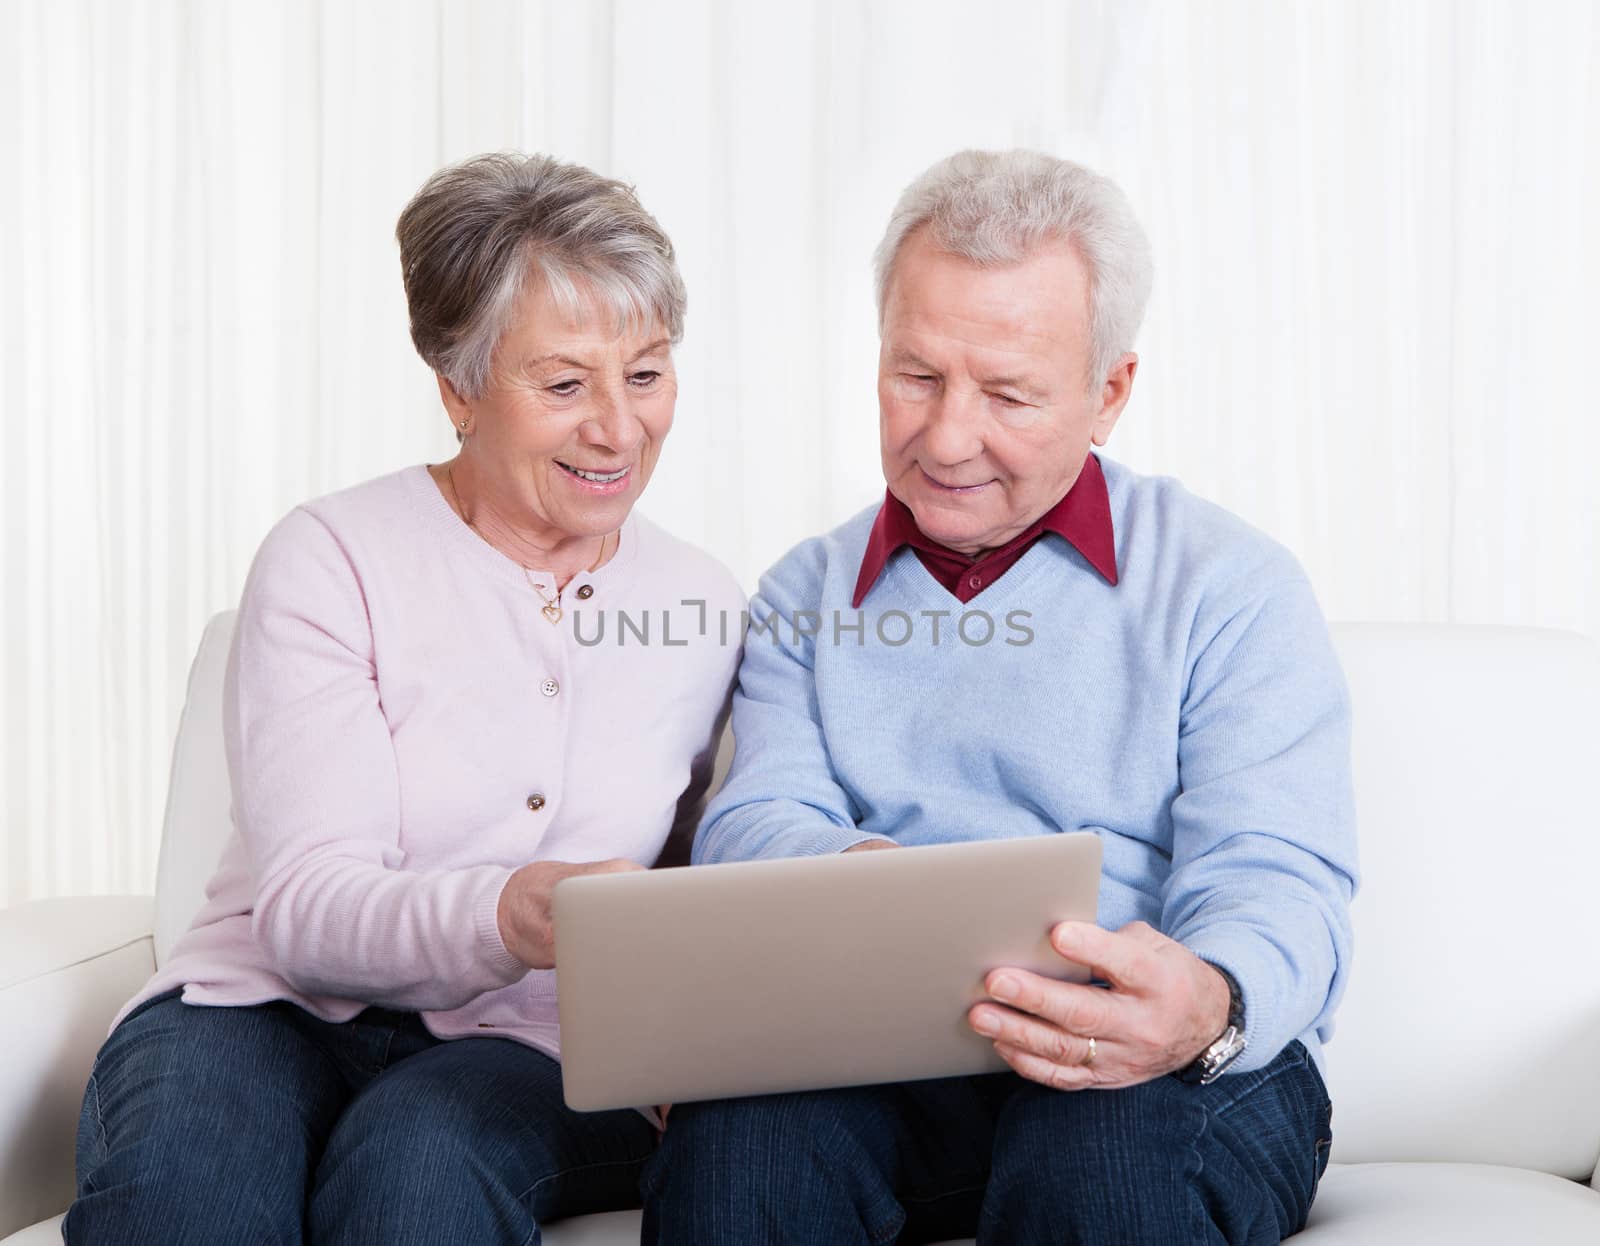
552, 605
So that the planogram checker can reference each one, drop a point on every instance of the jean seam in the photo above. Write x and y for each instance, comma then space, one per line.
99, 1120
1197, 1170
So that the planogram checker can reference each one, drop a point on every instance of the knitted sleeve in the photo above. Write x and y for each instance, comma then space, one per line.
782, 797
1264, 849
316, 799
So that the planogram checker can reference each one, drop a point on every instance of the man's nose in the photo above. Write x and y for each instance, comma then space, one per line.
953, 432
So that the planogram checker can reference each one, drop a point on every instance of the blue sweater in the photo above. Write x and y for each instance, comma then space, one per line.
1193, 716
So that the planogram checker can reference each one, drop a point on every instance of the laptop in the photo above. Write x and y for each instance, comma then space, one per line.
798, 974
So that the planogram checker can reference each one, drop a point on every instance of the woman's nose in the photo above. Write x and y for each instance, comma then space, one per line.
613, 422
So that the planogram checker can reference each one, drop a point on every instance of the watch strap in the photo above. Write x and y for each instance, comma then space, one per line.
1211, 1062
1235, 998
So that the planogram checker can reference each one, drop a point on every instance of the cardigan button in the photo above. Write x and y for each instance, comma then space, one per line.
585, 592
535, 803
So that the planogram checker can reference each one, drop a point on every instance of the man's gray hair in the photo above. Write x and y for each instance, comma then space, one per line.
998, 207
478, 232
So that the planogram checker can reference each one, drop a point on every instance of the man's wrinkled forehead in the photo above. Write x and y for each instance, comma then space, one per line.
933, 271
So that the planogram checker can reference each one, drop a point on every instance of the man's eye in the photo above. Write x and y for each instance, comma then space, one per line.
918, 378
1006, 400
644, 380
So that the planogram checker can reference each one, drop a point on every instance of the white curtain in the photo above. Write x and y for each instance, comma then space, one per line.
1371, 333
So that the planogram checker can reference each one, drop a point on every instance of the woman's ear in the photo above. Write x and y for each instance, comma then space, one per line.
455, 404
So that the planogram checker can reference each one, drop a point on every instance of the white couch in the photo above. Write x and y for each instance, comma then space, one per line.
1466, 1072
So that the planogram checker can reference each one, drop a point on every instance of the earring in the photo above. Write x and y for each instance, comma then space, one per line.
462, 426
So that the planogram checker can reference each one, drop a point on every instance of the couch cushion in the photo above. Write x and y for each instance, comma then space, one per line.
1358, 1205
1472, 1024
1463, 1204
199, 818
45, 1233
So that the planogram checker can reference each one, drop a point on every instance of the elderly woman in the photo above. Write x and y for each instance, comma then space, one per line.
357, 1040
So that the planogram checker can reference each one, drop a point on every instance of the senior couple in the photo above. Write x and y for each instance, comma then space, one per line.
357, 1039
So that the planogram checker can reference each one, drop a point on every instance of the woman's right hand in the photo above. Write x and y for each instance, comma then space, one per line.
527, 926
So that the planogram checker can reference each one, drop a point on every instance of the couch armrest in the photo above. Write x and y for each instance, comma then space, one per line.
66, 967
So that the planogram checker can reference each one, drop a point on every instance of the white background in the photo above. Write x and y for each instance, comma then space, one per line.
1372, 332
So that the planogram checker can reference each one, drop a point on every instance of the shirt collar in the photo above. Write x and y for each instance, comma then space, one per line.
1082, 518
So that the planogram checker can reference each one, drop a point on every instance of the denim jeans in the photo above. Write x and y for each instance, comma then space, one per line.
264, 1124
1005, 1159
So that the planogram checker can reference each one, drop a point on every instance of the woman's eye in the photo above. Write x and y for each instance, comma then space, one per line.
565, 388
643, 380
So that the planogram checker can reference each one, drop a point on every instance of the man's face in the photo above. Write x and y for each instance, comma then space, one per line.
986, 413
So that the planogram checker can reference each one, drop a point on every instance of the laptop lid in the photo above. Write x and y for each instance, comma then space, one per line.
796, 974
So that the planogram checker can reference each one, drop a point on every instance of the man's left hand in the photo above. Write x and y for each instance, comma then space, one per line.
1163, 1008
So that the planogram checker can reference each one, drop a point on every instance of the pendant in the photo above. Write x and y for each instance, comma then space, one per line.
552, 612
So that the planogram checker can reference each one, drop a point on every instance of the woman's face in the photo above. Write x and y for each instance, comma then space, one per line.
571, 424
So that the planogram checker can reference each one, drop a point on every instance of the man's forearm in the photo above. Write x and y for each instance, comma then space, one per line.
772, 828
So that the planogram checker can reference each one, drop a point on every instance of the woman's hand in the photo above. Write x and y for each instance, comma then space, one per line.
527, 927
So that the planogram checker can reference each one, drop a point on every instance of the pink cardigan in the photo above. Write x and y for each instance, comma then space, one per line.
404, 729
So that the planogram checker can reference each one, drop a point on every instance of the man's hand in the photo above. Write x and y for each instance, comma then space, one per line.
872, 845
526, 925
1164, 1007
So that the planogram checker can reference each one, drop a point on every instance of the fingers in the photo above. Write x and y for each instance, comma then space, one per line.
1140, 1023
1048, 1073
1121, 957
1078, 1009
617, 865
1028, 1034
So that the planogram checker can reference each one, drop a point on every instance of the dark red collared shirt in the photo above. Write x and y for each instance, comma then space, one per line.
1082, 518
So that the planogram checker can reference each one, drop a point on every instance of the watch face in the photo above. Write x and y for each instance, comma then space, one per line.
1221, 1054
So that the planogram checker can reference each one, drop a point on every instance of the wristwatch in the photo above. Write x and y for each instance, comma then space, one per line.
1210, 1063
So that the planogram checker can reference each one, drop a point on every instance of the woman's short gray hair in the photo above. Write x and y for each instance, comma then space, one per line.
998, 207
478, 232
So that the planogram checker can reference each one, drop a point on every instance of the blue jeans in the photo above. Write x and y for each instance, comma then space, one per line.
264, 1124
1005, 1159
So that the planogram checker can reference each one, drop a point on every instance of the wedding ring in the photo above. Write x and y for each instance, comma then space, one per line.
1089, 1059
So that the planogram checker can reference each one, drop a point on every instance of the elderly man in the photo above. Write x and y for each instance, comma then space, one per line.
1115, 656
